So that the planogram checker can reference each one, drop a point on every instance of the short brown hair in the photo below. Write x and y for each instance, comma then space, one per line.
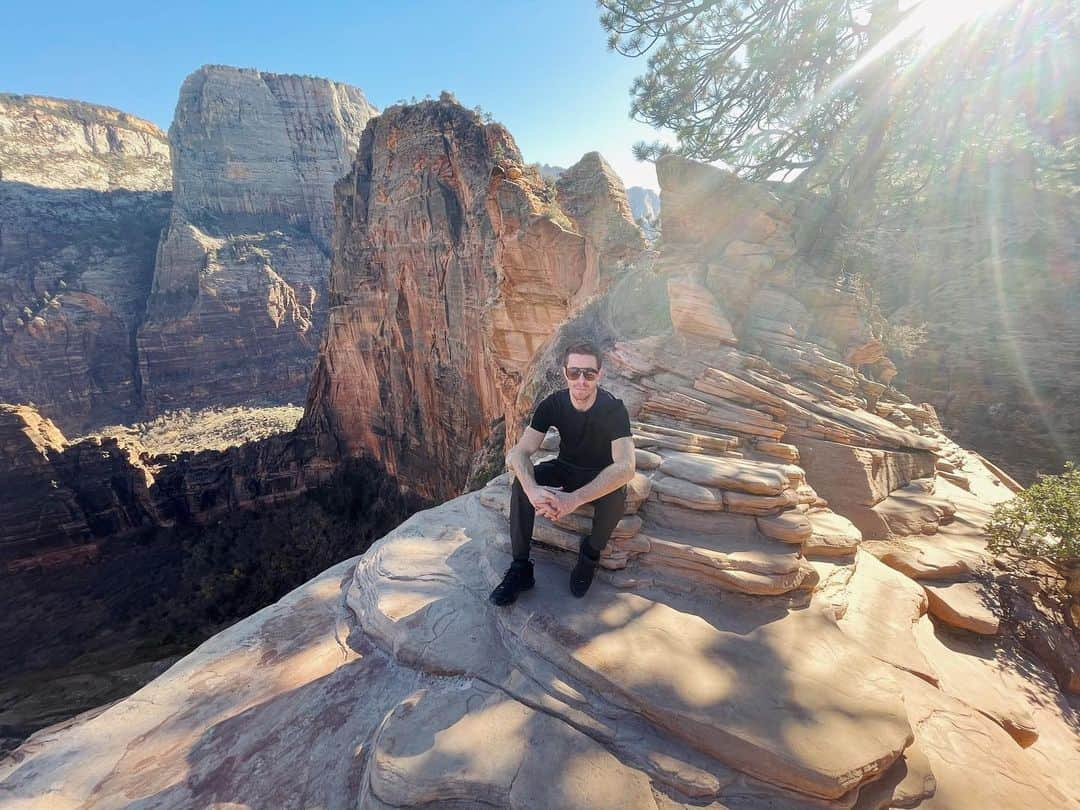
583, 348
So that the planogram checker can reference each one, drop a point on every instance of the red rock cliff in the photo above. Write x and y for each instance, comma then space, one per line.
453, 264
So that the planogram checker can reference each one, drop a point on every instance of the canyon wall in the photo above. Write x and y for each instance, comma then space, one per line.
239, 297
118, 299
84, 193
453, 263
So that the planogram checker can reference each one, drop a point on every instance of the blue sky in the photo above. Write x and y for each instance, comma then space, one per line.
541, 68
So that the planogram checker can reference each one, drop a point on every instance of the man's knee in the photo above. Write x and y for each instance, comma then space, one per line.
613, 500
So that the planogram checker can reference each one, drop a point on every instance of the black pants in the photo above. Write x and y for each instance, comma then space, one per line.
607, 508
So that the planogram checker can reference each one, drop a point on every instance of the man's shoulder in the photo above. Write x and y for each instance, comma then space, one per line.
608, 402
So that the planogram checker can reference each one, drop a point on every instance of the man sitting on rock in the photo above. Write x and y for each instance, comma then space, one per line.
596, 460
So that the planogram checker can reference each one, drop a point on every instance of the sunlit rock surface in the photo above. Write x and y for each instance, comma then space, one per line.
63, 144
748, 642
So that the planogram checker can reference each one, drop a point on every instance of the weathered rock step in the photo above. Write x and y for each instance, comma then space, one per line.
743, 551
722, 384
670, 490
882, 609
809, 416
787, 452
914, 509
728, 473
832, 534
701, 441
677, 574
925, 559
966, 605
696, 412
758, 417
971, 672
818, 715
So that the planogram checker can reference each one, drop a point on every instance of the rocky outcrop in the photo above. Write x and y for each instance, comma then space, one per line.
84, 193
239, 297
592, 195
453, 263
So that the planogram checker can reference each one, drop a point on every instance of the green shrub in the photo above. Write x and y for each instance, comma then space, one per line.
1041, 521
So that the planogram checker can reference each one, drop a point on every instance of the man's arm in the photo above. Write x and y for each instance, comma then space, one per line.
618, 472
518, 460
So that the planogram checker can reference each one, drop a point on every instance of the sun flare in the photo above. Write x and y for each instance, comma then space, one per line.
934, 21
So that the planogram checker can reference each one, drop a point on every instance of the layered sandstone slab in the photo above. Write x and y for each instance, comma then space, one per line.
240, 297
965, 605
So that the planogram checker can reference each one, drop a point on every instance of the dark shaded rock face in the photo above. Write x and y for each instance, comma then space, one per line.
993, 271
453, 263
239, 298
84, 195
112, 559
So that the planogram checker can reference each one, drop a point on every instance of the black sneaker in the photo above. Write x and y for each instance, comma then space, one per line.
582, 575
519, 578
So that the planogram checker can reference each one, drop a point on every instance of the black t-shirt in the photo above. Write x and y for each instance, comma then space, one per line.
585, 437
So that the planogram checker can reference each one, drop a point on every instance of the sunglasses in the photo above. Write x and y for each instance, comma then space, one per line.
573, 372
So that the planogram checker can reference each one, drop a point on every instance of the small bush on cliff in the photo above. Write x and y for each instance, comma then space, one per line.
1042, 521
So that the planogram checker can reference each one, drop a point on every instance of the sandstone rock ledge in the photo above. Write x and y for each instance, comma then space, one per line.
389, 681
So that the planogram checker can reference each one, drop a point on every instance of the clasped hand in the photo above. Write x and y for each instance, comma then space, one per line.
552, 502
